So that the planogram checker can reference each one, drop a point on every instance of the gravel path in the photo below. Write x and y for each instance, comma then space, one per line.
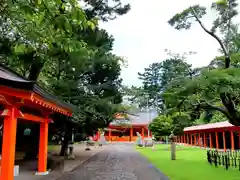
117, 162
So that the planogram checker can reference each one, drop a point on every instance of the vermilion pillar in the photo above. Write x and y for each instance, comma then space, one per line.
210, 139
199, 139
224, 141
232, 141
216, 137
204, 139
195, 139
43, 148
9, 142
239, 140
98, 135
143, 132
109, 135
131, 133
191, 139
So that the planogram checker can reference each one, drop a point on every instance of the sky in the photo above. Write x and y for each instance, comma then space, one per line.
142, 35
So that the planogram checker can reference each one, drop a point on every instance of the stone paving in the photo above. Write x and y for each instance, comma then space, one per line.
116, 162
69, 165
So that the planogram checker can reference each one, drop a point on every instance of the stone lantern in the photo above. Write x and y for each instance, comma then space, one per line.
172, 139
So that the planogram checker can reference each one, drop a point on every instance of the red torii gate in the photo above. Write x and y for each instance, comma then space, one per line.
18, 96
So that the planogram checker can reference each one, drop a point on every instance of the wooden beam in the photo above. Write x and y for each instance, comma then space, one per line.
31, 117
35, 98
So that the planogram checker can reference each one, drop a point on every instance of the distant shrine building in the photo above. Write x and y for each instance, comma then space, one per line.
125, 130
221, 135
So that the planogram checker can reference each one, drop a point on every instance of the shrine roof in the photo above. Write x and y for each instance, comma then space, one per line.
140, 118
218, 125
11, 79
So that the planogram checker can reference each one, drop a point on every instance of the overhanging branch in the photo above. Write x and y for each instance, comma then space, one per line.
217, 108
226, 53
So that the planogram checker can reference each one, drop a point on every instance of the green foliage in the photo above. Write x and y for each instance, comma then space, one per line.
161, 126
105, 9
180, 120
158, 76
184, 19
60, 45
218, 117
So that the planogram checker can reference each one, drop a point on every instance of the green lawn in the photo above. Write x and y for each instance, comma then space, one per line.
191, 164
54, 148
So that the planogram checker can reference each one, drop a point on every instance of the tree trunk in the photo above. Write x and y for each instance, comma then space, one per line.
33, 143
65, 142
227, 62
35, 69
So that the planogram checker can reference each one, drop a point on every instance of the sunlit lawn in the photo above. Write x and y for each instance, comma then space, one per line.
191, 164
54, 148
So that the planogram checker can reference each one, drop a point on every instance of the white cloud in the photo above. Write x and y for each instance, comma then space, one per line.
142, 35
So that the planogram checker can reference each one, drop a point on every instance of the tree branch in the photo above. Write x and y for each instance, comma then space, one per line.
226, 54
217, 108
228, 103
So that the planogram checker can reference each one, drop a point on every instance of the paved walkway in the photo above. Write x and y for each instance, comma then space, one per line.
116, 162
69, 165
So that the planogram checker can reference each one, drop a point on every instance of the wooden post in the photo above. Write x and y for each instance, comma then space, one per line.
210, 138
8, 144
216, 136
131, 133
204, 139
199, 139
232, 141
142, 133
239, 140
43, 149
224, 141
109, 135
98, 135
195, 139
172, 139
191, 141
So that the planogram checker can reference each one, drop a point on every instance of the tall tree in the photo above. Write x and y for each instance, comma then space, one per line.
37, 28
105, 9
223, 91
58, 45
158, 76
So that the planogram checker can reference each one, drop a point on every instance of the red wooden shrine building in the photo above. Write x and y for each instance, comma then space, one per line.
21, 99
221, 135
122, 130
